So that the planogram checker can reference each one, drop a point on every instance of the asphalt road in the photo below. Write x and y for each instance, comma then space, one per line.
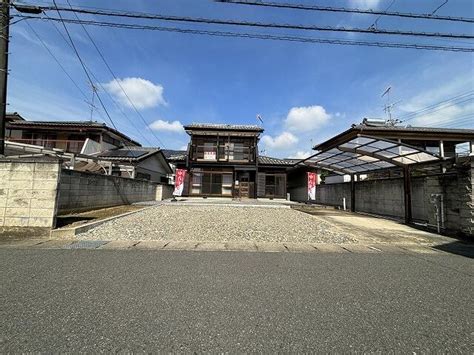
111, 300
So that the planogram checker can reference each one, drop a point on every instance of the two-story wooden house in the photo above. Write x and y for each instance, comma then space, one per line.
223, 160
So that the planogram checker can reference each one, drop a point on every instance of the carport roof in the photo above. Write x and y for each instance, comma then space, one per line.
366, 153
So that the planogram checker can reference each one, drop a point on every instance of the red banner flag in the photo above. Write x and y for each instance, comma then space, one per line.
179, 182
312, 179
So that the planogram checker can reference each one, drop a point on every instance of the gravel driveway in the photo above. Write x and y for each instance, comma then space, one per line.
219, 223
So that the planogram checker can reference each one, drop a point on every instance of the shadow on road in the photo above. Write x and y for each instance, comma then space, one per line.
459, 248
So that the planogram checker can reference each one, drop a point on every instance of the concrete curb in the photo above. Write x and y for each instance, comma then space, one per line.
253, 247
71, 232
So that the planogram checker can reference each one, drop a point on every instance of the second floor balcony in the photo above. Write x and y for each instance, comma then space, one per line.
70, 146
224, 153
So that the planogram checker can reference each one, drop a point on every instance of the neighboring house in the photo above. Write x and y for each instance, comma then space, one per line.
139, 162
446, 142
85, 137
87, 146
176, 159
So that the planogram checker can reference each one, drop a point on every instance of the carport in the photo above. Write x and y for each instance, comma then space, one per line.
366, 154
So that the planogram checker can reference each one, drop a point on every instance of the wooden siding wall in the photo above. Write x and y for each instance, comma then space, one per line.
261, 185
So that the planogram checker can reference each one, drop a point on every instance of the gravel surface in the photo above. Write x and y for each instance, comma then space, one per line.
219, 223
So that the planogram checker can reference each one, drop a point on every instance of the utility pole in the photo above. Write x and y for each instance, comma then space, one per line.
4, 39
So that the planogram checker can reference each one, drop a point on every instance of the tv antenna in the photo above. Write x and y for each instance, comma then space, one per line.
91, 103
388, 108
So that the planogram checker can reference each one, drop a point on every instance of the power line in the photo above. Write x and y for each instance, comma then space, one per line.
454, 119
57, 61
347, 10
150, 16
376, 22
439, 7
102, 87
264, 36
61, 66
444, 103
117, 80
85, 70
442, 107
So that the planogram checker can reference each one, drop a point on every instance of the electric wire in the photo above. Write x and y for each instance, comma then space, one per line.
150, 16
98, 82
56, 60
319, 8
263, 36
449, 102
118, 81
431, 16
88, 76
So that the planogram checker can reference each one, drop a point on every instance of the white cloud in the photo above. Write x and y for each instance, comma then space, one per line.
303, 119
167, 126
281, 142
459, 114
441, 110
300, 154
365, 4
143, 93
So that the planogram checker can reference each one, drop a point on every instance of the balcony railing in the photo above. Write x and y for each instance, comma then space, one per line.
71, 146
215, 153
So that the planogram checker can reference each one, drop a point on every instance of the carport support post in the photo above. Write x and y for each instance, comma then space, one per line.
353, 195
407, 193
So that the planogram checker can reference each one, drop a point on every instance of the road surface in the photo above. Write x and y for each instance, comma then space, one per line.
113, 300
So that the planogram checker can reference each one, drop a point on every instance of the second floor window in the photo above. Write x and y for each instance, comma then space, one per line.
210, 151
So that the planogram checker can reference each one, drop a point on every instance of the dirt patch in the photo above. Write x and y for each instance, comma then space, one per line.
76, 219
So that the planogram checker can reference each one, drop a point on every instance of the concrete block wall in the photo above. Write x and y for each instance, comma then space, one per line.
386, 197
82, 191
333, 194
28, 193
383, 197
298, 193
164, 192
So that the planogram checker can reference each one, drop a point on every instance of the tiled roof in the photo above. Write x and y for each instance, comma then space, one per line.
264, 160
219, 126
61, 123
128, 154
413, 129
13, 116
175, 155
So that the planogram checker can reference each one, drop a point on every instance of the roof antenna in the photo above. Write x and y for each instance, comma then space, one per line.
388, 108
259, 119
91, 104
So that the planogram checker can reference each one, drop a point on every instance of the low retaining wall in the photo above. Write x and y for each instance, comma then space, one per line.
34, 191
28, 195
385, 197
164, 192
82, 191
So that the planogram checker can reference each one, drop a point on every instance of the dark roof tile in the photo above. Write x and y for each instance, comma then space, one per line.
220, 126
264, 160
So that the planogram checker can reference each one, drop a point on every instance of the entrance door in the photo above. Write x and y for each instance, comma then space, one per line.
246, 185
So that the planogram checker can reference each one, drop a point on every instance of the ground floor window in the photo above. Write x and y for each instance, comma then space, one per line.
211, 183
272, 185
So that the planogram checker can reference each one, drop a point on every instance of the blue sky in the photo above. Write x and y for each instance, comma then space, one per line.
305, 92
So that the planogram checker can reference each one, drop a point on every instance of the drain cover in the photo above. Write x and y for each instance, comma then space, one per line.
85, 244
